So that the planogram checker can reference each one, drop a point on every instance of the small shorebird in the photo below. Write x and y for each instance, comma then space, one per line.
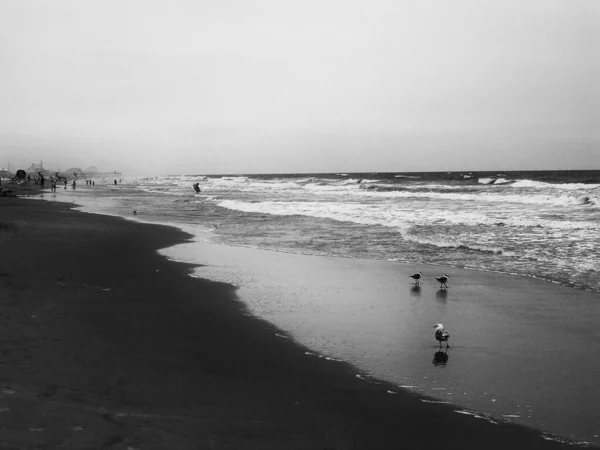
441, 335
416, 277
442, 280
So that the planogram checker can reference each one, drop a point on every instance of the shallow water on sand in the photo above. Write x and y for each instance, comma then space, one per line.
520, 349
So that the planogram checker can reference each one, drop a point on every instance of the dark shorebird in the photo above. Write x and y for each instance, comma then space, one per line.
416, 277
442, 280
441, 335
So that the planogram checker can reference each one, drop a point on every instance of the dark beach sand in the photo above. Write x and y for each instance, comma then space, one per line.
106, 344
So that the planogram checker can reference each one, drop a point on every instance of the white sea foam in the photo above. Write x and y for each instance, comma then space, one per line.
534, 199
274, 185
369, 181
345, 187
565, 186
475, 415
237, 179
389, 216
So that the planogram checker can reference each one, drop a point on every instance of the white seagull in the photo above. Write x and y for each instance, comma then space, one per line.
442, 280
441, 335
416, 277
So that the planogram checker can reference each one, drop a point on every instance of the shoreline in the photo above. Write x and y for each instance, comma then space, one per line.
183, 226
96, 194
164, 366
380, 323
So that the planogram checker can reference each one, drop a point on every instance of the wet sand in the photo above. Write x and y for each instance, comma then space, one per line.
516, 342
107, 344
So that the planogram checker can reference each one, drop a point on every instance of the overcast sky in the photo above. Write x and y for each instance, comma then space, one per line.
239, 86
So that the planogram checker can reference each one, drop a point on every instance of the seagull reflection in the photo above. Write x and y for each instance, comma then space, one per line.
441, 295
415, 291
440, 358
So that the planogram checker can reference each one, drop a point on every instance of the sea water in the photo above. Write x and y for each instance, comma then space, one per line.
540, 225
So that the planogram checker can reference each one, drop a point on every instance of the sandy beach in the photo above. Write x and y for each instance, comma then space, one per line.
210, 214
107, 344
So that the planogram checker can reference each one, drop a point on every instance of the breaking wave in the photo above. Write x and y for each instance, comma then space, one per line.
401, 219
476, 194
542, 225
544, 185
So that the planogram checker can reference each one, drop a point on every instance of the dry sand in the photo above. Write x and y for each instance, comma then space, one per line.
107, 344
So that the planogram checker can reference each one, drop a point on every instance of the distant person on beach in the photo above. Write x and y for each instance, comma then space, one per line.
52, 184
65, 183
93, 183
115, 182
74, 185
197, 188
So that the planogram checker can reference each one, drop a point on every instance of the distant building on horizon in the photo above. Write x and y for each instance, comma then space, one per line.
35, 169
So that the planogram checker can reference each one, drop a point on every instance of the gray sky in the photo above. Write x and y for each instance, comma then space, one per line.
231, 86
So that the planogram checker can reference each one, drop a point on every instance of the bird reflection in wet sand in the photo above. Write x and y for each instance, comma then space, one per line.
440, 358
441, 295
415, 291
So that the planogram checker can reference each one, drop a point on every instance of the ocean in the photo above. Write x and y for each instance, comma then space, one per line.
541, 227
537, 224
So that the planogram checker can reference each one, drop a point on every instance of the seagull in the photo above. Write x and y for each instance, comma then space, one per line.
441, 335
416, 277
442, 280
